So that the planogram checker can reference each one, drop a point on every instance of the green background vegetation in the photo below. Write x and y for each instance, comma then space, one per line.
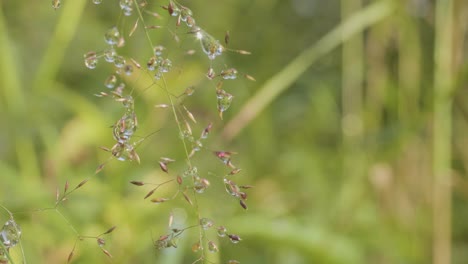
354, 134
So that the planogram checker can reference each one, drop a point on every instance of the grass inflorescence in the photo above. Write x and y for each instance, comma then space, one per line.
127, 75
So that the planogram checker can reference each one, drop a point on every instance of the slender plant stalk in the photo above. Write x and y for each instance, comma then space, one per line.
443, 86
283, 79
176, 118
7, 254
352, 103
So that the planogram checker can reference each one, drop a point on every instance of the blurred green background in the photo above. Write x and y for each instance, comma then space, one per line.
354, 133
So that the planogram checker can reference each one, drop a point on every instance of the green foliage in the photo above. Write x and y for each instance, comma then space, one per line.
335, 135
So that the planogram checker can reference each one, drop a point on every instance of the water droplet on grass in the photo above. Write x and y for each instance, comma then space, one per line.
158, 50
56, 4
229, 74
112, 36
206, 223
91, 60
125, 128
153, 62
10, 234
109, 55
192, 172
190, 21
200, 184
189, 90
111, 81
210, 45
165, 66
196, 247
212, 247
119, 61
128, 69
185, 13
232, 188
126, 5
221, 231
224, 101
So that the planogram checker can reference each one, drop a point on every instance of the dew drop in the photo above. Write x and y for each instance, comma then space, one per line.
173, 9
128, 12
206, 223
185, 13
232, 188
10, 234
119, 89
119, 61
212, 247
97, 2
112, 36
125, 128
109, 55
200, 184
128, 69
191, 172
189, 91
190, 21
210, 45
124, 151
111, 81
196, 247
221, 230
224, 100
229, 74
206, 131
153, 62
56, 4
126, 5
118, 151
158, 50
211, 73
101, 241
165, 66
128, 103
90, 60
197, 145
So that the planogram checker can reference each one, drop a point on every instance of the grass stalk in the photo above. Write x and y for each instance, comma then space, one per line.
352, 105
283, 79
443, 86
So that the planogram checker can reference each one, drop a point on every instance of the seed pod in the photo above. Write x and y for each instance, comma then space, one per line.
163, 166
243, 204
149, 193
137, 183
234, 238
159, 200
101, 241
110, 230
